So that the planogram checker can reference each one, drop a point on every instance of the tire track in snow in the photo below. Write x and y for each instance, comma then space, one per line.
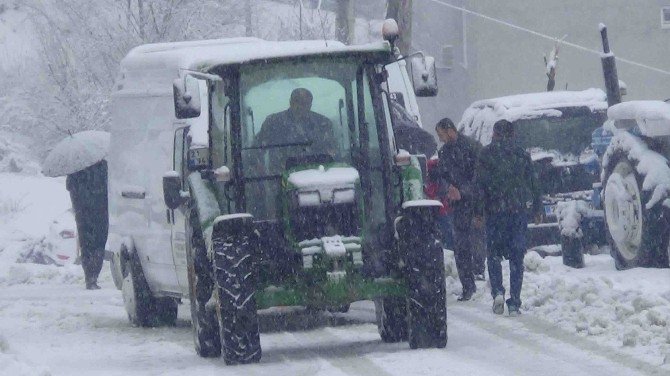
346, 353
535, 334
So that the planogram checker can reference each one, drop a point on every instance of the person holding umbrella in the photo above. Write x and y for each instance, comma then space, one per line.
81, 158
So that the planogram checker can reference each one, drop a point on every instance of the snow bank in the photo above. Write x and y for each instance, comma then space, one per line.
626, 310
478, 119
14, 155
652, 166
28, 205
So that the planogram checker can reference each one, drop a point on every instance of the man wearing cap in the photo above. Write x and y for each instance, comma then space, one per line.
509, 194
457, 158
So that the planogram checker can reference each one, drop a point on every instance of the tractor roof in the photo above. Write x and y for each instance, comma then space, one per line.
201, 55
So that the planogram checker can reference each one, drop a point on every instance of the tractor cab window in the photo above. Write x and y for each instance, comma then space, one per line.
295, 113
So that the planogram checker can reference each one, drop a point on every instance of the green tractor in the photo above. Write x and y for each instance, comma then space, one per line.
293, 193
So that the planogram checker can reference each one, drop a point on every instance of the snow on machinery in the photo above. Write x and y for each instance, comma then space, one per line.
253, 224
635, 175
555, 127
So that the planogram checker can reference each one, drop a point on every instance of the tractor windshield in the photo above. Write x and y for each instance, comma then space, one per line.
299, 113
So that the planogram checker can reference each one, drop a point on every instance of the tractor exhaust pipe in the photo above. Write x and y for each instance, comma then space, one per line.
609, 70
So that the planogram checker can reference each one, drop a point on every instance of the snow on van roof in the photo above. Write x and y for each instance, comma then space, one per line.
478, 119
201, 55
548, 99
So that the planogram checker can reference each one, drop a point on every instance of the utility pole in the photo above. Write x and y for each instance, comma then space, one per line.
345, 21
247, 19
401, 11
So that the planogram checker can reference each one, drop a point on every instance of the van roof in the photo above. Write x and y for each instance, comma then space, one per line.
592, 98
478, 119
202, 55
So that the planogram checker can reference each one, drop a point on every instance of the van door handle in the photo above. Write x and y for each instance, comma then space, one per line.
137, 195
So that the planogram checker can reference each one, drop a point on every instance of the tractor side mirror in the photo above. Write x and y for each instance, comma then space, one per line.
424, 75
198, 158
172, 190
186, 93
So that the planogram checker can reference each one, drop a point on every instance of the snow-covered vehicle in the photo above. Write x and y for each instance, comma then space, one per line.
251, 223
62, 238
556, 129
636, 183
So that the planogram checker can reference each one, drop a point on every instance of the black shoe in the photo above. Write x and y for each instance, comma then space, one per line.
499, 304
513, 311
465, 296
92, 286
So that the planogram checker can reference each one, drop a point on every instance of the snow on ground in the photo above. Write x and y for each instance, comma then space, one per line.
627, 311
591, 321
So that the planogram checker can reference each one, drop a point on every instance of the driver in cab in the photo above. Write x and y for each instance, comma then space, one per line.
298, 126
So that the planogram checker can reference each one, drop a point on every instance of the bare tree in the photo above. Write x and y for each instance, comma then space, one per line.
346, 21
248, 25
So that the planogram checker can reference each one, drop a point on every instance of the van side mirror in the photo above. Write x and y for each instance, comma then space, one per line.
424, 75
172, 190
186, 93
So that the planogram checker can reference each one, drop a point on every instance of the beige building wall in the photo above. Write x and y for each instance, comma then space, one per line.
506, 61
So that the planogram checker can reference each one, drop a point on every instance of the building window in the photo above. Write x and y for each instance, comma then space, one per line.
665, 18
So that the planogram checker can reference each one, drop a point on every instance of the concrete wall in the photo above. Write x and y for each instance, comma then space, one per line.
502, 60
508, 61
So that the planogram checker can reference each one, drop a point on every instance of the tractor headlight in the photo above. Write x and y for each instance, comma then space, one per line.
312, 198
344, 196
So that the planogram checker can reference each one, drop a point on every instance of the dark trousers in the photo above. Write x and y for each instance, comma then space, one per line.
445, 223
90, 213
465, 234
506, 238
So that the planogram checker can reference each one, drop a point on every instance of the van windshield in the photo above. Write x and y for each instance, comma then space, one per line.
569, 134
297, 113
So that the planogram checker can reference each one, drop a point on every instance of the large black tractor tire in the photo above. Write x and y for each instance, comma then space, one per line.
145, 310
427, 301
572, 251
205, 325
391, 313
638, 236
234, 245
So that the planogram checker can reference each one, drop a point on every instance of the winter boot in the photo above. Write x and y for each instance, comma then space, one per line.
499, 304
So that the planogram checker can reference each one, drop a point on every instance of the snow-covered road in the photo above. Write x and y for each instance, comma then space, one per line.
591, 321
62, 329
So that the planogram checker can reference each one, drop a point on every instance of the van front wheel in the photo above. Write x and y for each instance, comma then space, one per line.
143, 308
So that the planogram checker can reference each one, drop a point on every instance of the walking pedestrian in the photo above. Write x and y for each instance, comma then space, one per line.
509, 189
88, 193
457, 158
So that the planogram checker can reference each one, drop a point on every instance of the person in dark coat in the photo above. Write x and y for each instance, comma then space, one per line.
88, 193
457, 159
509, 190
